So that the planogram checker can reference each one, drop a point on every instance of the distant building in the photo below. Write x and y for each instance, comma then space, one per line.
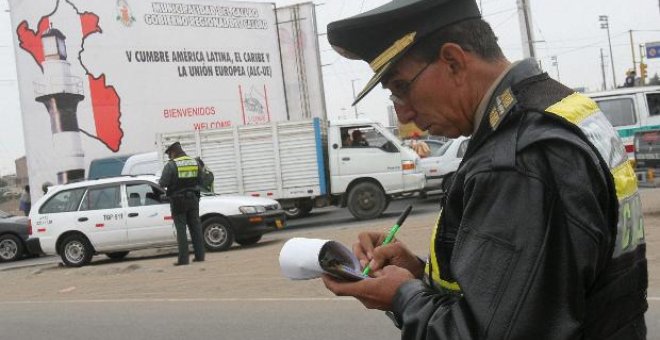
21, 172
391, 116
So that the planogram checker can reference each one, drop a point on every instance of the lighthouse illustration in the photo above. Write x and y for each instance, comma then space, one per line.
60, 93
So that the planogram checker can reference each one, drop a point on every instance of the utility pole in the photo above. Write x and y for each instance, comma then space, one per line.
642, 75
602, 68
632, 49
526, 31
605, 24
354, 106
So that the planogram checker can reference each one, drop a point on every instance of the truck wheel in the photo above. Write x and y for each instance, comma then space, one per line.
302, 209
11, 248
117, 255
76, 251
248, 241
218, 234
366, 200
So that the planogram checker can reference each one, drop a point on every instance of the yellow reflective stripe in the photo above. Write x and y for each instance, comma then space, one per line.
625, 180
574, 108
187, 174
433, 260
187, 168
434, 275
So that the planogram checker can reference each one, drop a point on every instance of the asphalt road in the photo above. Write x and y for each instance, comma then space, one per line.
246, 319
252, 318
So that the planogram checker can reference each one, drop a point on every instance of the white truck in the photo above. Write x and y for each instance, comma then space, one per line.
306, 164
630, 110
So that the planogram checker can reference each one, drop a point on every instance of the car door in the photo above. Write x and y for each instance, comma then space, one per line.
56, 216
375, 158
149, 220
103, 217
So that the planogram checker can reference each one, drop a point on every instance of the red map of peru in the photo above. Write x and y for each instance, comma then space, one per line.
104, 99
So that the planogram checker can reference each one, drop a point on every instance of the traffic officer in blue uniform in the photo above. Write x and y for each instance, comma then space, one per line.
541, 236
182, 179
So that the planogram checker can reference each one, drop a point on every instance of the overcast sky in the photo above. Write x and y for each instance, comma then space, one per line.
567, 29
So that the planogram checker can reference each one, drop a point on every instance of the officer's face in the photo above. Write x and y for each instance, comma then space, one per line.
435, 101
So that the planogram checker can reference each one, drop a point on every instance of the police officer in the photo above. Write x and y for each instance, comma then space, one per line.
541, 235
182, 179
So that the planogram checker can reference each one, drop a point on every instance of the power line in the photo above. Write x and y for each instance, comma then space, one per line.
500, 12
505, 20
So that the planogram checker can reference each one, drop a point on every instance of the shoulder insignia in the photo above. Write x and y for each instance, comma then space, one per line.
503, 103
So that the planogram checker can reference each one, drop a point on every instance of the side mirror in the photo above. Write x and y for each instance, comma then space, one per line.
389, 147
164, 198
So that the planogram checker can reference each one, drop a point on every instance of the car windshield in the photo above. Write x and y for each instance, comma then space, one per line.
443, 149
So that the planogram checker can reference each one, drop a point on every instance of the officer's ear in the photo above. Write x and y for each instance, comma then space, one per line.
455, 59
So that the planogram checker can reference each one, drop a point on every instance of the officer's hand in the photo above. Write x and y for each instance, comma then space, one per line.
370, 252
374, 293
364, 247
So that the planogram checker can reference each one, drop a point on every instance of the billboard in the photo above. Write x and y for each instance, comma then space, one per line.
303, 79
99, 78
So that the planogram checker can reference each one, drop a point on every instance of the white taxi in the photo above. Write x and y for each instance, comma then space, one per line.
113, 216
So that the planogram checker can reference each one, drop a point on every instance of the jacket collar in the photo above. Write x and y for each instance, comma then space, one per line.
502, 101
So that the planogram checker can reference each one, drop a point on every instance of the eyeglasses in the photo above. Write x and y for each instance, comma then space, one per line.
401, 88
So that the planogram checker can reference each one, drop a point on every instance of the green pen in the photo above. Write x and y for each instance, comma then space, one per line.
390, 235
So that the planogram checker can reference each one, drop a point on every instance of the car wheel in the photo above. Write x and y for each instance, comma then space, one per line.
366, 200
117, 255
76, 251
218, 234
11, 248
249, 241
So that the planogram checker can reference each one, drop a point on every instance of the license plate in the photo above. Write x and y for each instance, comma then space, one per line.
278, 223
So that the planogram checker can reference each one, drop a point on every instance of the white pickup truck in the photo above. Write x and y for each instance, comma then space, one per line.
307, 164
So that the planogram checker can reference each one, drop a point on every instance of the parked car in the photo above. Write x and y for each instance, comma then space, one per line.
14, 237
113, 216
434, 145
441, 165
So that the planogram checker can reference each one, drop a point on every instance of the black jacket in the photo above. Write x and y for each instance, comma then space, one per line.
529, 243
